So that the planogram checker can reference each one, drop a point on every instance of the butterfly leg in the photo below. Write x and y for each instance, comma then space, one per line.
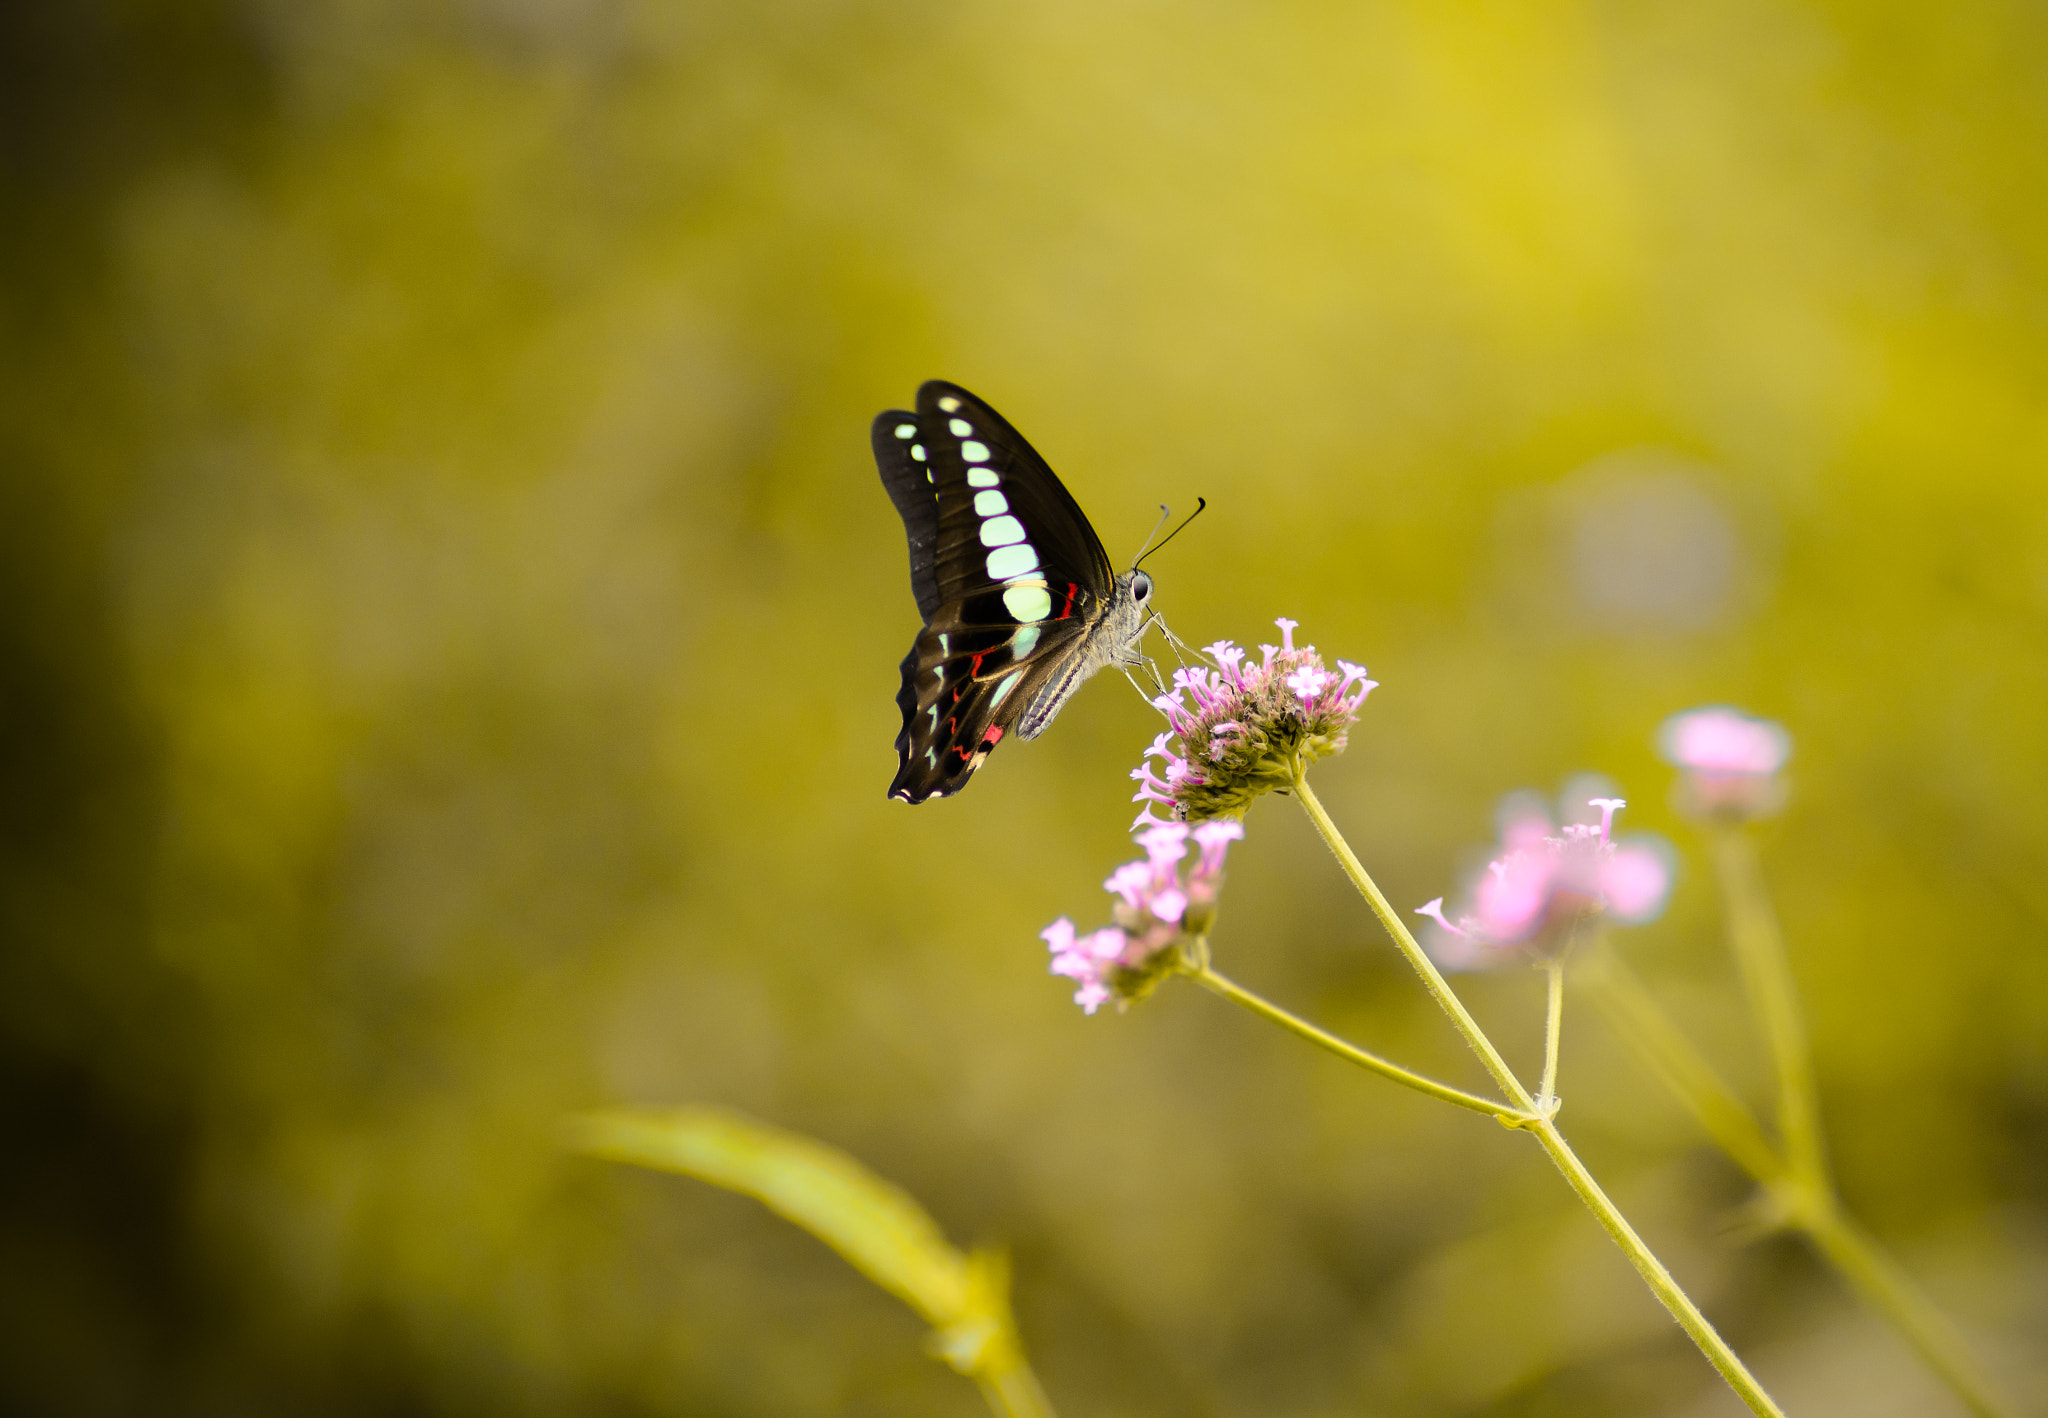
1134, 657
1176, 642
1173, 643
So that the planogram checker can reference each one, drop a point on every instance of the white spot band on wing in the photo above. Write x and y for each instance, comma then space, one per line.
1001, 531
1007, 562
1028, 602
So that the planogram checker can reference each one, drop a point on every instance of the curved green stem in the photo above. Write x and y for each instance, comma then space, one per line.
1216, 984
1660, 1281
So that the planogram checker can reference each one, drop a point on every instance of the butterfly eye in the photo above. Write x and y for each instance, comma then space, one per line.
1141, 588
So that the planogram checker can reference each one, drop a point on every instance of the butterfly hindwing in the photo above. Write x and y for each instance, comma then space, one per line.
964, 686
1008, 574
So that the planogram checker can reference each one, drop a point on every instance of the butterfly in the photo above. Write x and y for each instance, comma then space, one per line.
1020, 602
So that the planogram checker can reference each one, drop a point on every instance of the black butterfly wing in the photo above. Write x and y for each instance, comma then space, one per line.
963, 687
1007, 572
958, 428
902, 454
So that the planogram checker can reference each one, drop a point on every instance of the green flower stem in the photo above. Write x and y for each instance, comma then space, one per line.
1660, 1281
1766, 972
1216, 984
1634, 1015
1012, 1391
1432, 979
1813, 1209
1886, 1287
1696, 1325
1553, 1030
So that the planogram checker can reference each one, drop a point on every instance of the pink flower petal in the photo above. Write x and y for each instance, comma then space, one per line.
1131, 881
1723, 740
1635, 881
1511, 896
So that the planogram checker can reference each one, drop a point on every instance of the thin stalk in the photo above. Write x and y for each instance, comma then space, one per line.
1644, 1027
1886, 1287
1553, 1031
1660, 1281
1760, 958
1432, 979
1014, 1392
1854, 1254
1216, 984
1766, 971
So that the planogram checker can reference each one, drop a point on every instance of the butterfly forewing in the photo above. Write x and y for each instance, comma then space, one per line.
983, 470
1008, 575
902, 455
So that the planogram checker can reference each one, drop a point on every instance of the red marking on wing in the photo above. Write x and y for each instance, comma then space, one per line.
965, 753
1068, 609
994, 735
974, 666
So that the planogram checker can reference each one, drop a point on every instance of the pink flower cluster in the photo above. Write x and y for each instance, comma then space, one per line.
1545, 881
1728, 761
1158, 901
1241, 726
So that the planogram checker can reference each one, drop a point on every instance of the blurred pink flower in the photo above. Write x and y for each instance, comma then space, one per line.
1728, 761
1086, 959
1545, 880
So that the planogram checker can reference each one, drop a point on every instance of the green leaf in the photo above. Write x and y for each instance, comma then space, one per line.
873, 1223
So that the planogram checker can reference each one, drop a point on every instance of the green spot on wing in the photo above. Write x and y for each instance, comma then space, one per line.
1027, 603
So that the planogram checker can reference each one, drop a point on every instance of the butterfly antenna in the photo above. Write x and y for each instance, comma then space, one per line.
1144, 551
1200, 504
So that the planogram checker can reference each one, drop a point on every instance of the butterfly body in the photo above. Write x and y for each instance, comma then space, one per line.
1020, 603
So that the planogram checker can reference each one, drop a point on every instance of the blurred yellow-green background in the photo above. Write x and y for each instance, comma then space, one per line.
451, 624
